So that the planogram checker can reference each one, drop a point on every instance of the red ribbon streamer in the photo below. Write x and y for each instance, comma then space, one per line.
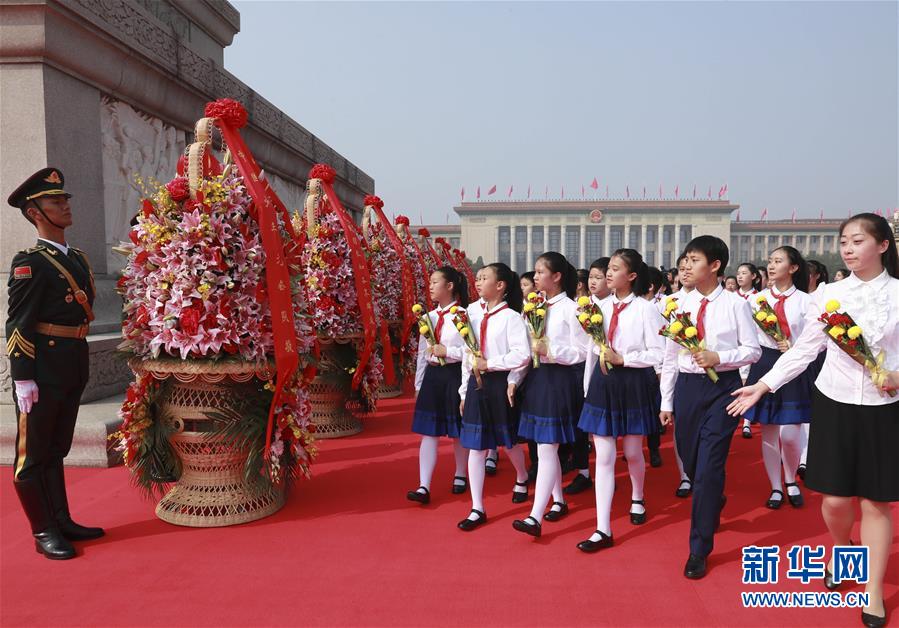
408, 294
424, 268
389, 369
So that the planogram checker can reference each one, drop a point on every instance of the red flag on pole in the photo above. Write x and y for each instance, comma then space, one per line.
583, 192
479, 191
821, 216
627, 191
492, 190
677, 191
725, 189
660, 190
510, 191
765, 214
563, 192
607, 192
694, 190
463, 192
546, 192
738, 215
710, 192
529, 190
644, 191
595, 184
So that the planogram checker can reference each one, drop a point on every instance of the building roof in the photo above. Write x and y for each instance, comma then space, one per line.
438, 229
563, 206
829, 225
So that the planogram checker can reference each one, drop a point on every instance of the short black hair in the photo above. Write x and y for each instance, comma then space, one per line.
714, 249
528, 275
601, 264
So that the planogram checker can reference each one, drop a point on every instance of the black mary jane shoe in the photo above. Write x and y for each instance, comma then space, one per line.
490, 465
533, 529
519, 497
638, 518
579, 484
695, 568
555, 515
775, 504
801, 472
467, 525
747, 432
655, 459
421, 498
875, 621
590, 547
796, 501
458, 489
684, 491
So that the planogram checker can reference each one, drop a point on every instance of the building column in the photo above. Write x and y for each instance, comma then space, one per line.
626, 237
643, 241
512, 238
583, 248
677, 243
496, 244
530, 248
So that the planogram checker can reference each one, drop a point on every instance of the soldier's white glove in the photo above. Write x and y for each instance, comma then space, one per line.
26, 393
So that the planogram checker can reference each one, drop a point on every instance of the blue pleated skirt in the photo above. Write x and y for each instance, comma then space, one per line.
552, 403
437, 406
488, 421
626, 401
790, 405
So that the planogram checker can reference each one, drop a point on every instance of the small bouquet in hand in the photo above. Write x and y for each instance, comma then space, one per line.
671, 306
535, 318
682, 331
840, 328
463, 325
767, 321
425, 328
590, 318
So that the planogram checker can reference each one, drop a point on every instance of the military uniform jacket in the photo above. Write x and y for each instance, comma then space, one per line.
39, 292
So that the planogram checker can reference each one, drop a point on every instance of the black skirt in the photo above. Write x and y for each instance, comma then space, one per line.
853, 451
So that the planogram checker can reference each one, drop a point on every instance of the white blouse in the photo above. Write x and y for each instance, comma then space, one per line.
508, 347
567, 341
729, 331
874, 306
795, 307
449, 338
747, 295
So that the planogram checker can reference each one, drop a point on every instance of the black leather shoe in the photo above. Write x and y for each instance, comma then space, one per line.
829, 584
774, 504
684, 491
590, 547
579, 484
747, 432
695, 568
801, 472
875, 621
520, 496
458, 489
638, 518
421, 498
525, 526
52, 544
796, 501
48, 540
75, 532
467, 525
490, 465
655, 459
58, 502
555, 515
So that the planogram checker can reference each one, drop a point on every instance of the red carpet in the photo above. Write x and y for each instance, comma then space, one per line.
348, 549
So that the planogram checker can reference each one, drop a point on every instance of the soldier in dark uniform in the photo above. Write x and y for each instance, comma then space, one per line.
51, 291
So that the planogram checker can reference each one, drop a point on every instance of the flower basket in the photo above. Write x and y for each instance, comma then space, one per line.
331, 390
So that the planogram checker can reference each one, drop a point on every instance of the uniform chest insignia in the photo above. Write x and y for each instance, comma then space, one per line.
69, 298
22, 272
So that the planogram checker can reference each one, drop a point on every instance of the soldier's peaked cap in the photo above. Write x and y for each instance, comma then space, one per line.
44, 182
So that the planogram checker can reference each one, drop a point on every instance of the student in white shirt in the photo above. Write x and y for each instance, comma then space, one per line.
749, 282
437, 387
855, 436
697, 404
782, 414
554, 392
624, 401
489, 415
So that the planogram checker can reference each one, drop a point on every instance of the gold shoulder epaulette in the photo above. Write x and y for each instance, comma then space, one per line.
34, 249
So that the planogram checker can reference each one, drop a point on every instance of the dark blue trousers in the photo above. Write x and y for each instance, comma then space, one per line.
703, 430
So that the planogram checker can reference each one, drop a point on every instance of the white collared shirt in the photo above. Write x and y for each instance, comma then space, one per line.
508, 346
677, 296
746, 295
874, 306
795, 307
449, 338
64, 248
729, 331
567, 341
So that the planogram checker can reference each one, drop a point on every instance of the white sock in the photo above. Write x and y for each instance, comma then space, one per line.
636, 466
549, 474
476, 475
771, 455
427, 460
493, 455
516, 456
604, 447
791, 451
805, 429
461, 455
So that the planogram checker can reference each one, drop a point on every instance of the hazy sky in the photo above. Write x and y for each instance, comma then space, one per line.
792, 104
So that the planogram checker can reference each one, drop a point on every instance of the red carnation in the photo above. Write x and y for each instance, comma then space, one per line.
228, 111
324, 172
402, 220
189, 321
147, 208
373, 201
178, 189
423, 232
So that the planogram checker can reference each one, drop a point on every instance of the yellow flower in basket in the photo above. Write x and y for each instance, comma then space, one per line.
836, 332
832, 306
690, 332
596, 319
529, 307
854, 332
676, 327
760, 316
771, 318
423, 330
583, 301
583, 317
463, 331
417, 309
541, 312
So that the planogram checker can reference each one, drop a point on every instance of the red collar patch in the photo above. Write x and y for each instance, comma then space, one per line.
22, 272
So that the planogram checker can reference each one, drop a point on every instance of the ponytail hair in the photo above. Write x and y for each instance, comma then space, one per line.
557, 263
513, 296
880, 229
800, 277
460, 285
820, 270
635, 264
756, 275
